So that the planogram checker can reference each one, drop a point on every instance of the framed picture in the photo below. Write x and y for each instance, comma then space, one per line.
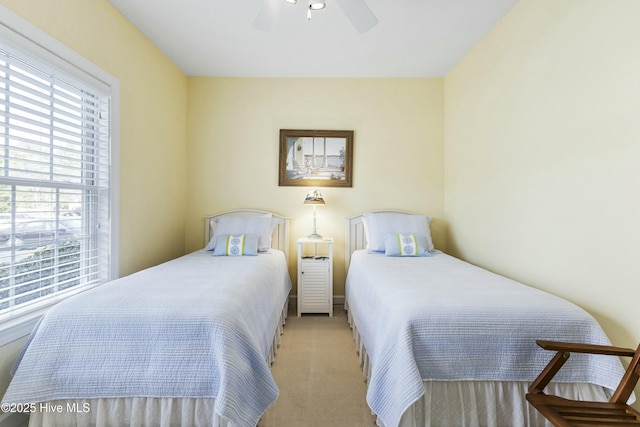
316, 158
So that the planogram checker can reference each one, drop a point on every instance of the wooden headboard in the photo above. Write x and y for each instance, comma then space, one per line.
355, 237
279, 238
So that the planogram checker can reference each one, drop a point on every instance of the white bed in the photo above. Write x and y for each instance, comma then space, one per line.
445, 343
203, 330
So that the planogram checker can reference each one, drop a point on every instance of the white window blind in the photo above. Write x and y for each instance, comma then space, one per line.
54, 184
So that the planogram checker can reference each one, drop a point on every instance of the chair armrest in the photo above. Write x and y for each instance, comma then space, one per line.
563, 350
585, 348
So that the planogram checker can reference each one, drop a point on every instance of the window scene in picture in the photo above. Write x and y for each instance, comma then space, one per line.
316, 158
54, 184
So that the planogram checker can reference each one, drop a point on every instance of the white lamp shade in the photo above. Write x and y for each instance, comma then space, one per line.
317, 4
314, 198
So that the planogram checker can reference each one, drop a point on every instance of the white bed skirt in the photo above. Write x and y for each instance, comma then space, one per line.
133, 412
140, 411
478, 403
485, 403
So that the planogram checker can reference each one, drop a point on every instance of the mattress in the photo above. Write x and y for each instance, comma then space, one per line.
441, 319
195, 327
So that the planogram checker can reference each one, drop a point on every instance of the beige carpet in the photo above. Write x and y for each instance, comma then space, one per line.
319, 376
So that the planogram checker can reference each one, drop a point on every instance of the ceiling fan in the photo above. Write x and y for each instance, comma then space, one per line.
356, 11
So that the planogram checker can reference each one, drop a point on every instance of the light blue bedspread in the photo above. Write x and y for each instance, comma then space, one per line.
197, 326
440, 318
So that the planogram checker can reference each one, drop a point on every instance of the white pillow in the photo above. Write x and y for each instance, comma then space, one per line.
262, 226
379, 224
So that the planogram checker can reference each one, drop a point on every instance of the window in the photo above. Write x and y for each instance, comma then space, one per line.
56, 176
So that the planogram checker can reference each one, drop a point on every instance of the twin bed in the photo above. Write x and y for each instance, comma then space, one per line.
445, 343
188, 342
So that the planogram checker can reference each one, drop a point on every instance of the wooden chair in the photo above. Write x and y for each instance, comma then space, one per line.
563, 412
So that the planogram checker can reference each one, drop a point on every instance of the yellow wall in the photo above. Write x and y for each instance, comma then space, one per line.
233, 131
153, 128
542, 154
153, 120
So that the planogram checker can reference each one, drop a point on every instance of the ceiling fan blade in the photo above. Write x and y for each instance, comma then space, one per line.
267, 15
359, 14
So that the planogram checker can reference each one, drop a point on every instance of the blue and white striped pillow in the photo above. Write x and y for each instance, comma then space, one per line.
406, 245
236, 245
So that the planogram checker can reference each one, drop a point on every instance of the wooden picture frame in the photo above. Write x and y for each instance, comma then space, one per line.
316, 158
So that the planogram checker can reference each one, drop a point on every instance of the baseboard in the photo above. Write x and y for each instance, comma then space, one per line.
293, 301
13, 419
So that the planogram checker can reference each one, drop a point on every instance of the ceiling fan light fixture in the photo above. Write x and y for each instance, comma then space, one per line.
317, 4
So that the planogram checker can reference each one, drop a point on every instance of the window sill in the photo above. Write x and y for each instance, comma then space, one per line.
12, 329
20, 327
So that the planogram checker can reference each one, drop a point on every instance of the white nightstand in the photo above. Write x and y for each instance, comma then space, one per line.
315, 276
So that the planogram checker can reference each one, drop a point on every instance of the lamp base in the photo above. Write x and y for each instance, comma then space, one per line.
314, 236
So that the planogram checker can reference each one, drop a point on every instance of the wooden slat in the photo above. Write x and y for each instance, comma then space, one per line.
563, 412
585, 348
549, 372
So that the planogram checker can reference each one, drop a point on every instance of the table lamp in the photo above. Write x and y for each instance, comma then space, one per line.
314, 198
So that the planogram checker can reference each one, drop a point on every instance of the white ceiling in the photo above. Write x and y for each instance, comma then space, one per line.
414, 38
